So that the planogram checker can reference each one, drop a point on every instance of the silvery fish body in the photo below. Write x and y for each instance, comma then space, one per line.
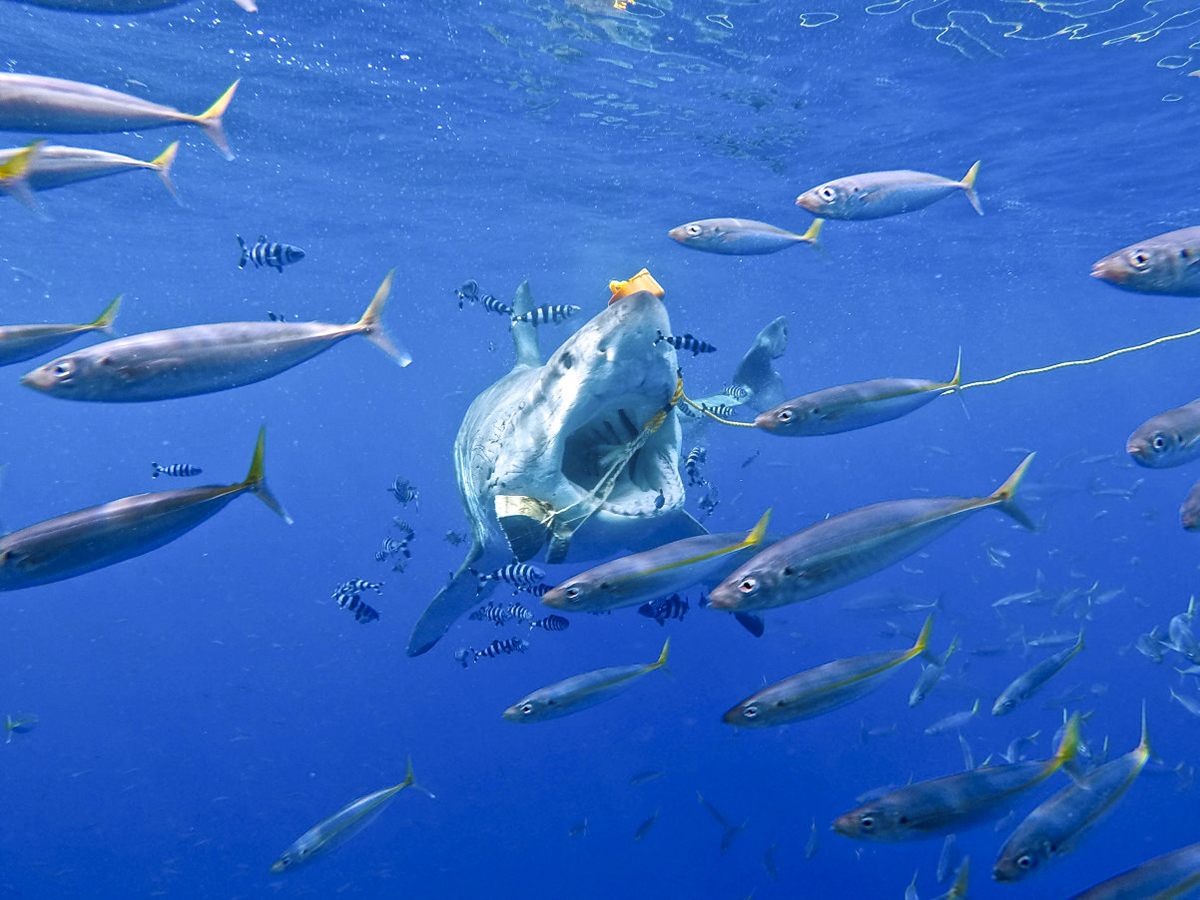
848, 407
38, 103
736, 237
57, 166
1028, 683
580, 692
1164, 264
850, 546
19, 343
1169, 439
824, 688
100, 536
200, 359
1056, 826
1189, 512
1170, 875
874, 195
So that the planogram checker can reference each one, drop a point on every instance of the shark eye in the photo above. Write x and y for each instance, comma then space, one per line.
527, 708
750, 712
785, 415
693, 230
1139, 259
1025, 861
866, 823
827, 194
748, 585
572, 593
62, 370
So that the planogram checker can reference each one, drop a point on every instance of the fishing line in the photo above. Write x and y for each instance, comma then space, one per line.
708, 412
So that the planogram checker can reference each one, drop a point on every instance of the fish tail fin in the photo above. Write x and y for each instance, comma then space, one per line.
1144, 748
758, 532
1004, 497
210, 120
371, 324
256, 479
954, 385
968, 186
162, 168
661, 662
245, 253
105, 320
945, 658
14, 177
1068, 746
922, 640
410, 780
812, 236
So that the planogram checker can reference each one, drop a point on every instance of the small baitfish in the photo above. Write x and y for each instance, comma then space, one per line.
930, 675
740, 237
551, 314
341, 826
1163, 264
646, 576
581, 692
954, 721
100, 536
175, 470
644, 828
19, 343
848, 547
56, 166
271, 254
849, 407
200, 359
874, 195
1057, 825
1169, 439
958, 890
18, 724
41, 104
1171, 875
1028, 683
939, 806
823, 689
686, 342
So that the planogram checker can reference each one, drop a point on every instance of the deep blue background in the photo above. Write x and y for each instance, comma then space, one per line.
205, 704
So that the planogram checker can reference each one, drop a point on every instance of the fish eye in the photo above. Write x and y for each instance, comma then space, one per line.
527, 708
785, 415
1025, 861
748, 585
750, 712
866, 823
694, 230
572, 593
1139, 259
1159, 442
827, 194
62, 370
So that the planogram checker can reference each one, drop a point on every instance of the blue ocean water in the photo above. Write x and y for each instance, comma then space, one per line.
201, 706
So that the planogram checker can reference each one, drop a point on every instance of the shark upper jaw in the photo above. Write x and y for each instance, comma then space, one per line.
593, 397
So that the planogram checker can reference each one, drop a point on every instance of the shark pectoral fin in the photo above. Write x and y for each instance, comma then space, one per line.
561, 533
458, 596
755, 370
525, 523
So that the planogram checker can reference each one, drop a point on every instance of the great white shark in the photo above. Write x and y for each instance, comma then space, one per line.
580, 454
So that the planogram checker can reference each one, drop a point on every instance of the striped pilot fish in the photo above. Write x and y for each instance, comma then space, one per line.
551, 314
852, 545
200, 359
38, 103
737, 237
19, 343
933, 808
581, 692
874, 195
551, 623
56, 166
271, 254
848, 407
1167, 440
495, 649
823, 689
686, 342
662, 608
100, 536
341, 826
520, 576
1164, 264
348, 596
1056, 826
175, 470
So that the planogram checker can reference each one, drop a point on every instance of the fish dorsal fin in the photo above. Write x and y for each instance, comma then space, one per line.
525, 340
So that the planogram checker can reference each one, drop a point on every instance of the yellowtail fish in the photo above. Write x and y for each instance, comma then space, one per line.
38, 103
1028, 683
1189, 512
1164, 264
19, 343
1169, 439
958, 890
850, 546
581, 691
14, 174
18, 724
738, 237
1162, 878
824, 688
668, 569
848, 407
1057, 825
874, 195
341, 826
200, 359
100, 536
56, 166
644, 828
933, 808
931, 675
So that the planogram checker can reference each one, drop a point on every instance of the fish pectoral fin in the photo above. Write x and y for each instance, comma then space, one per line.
751, 622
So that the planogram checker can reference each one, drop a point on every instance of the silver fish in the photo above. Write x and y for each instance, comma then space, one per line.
930, 675
38, 103
1167, 440
1028, 683
200, 359
19, 343
57, 166
954, 721
340, 827
737, 237
1189, 512
1163, 264
874, 195
1170, 875
580, 692
100, 536
850, 546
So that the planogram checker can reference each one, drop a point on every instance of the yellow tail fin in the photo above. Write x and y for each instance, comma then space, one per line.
162, 168
814, 230
371, 324
210, 120
105, 320
256, 479
968, 185
922, 640
14, 176
1004, 497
